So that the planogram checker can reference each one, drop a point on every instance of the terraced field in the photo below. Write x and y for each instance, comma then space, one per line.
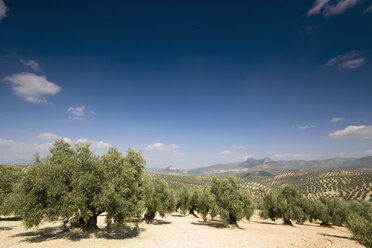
345, 184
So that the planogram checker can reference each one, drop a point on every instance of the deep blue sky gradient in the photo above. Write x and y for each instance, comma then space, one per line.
204, 75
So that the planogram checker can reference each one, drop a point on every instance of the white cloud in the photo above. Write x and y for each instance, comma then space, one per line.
350, 60
285, 155
95, 145
32, 64
3, 10
340, 7
79, 113
352, 64
336, 119
13, 151
356, 132
47, 136
329, 10
367, 10
226, 152
317, 7
32, 87
307, 127
19, 151
161, 147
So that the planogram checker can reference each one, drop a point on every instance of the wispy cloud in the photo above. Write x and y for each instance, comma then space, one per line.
307, 127
317, 7
353, 132
336, 119
368, 9
3, 10
350, 60
31, 64
31, 87
79, 113
161, 147
234, 149
47, 136
324, 7
285, 156
12, 151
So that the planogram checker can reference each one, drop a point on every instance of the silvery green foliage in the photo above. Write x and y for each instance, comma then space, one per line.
233, 203
9, 176
158, 198
75, 185
288, 204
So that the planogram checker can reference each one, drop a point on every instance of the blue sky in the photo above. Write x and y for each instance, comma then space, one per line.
190, 83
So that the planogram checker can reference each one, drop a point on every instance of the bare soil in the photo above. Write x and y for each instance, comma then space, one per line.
179, 231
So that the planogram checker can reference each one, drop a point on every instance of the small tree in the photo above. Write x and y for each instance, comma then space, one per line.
206, 205
183, 200
360, 222
194, 201
76, 186
9, 176
158, 199
232, 201
289, 205
330, 210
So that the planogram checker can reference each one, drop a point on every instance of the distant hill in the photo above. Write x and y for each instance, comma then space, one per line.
337, 183
172, 169
277, 167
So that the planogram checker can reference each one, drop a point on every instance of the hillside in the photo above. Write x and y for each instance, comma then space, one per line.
279, 167
338, 183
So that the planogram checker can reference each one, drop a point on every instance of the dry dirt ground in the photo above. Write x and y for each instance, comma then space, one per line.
179, 231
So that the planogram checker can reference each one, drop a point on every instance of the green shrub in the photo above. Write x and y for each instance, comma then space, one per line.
75, 185
158, 199
233, 203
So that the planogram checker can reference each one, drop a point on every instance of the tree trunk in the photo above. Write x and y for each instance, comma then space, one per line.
90, 225
192, 211
324, 223
287, 222
232, 220
149, 217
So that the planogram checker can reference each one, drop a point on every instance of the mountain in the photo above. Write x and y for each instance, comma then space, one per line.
172, 169
270, 166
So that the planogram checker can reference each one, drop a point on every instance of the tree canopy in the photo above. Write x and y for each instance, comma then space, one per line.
75, 185
233, 203
158, 199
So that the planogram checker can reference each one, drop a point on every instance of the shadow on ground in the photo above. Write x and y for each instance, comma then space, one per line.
334, 236
266, 223
211, 223
55, 233
10, 218
161, 222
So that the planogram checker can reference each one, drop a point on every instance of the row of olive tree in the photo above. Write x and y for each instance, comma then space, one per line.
225, 198
290, 205
76, 186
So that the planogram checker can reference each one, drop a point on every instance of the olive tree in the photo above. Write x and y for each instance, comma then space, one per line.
194, 201
359, 222
206, 205
329, 211
9, 176
183, 200
158, 198
76, 186
288, 204
233, 203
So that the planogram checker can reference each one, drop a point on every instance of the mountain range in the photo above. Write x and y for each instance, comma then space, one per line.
267, 167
